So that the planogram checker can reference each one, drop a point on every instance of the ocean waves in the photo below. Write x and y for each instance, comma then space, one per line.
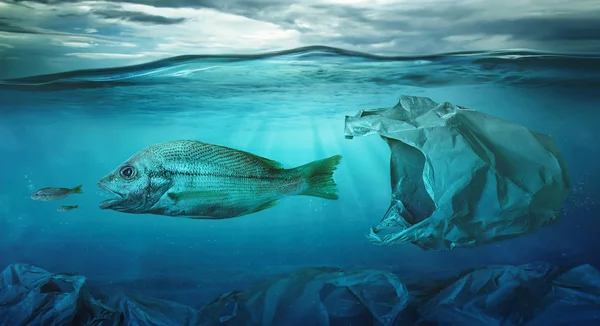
320, 64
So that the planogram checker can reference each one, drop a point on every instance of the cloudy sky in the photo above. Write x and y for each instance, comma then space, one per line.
46, 36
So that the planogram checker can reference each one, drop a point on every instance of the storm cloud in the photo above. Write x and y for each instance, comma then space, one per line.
6, 25
134, 31
139, 17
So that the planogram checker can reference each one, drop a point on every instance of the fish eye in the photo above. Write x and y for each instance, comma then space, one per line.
127, 172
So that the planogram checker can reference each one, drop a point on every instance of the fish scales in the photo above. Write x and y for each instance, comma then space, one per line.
236, 185
201, 180
227, 192
188, 157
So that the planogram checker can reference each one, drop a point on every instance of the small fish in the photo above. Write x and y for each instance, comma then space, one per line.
67, 208
201, 180
50, 193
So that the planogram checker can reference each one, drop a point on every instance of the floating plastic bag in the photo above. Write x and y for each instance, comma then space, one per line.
462, 178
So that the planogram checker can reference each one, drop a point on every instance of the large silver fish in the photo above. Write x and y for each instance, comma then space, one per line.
200, 180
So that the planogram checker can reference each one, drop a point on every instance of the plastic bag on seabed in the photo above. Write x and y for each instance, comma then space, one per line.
462, 178
30, 295
536, 294
319, 296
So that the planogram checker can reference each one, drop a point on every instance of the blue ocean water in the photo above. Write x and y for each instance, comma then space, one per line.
73, 128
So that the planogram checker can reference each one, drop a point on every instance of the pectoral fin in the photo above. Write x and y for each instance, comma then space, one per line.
197, 195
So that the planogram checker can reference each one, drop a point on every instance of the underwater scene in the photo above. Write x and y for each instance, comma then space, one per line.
314, 186
315, 162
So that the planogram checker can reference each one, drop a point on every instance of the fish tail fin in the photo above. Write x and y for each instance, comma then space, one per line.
77, 190
76, 206
318, 178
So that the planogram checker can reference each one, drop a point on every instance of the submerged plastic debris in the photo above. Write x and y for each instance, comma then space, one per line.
532, 294
314, 296
311, 296
462, 178
30, 295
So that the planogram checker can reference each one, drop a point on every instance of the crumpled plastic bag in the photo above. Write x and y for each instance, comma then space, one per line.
462, 178
534, 294
313, 296
537, 294
316, 296
30, 295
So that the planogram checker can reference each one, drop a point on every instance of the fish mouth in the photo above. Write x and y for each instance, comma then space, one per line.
110, 203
